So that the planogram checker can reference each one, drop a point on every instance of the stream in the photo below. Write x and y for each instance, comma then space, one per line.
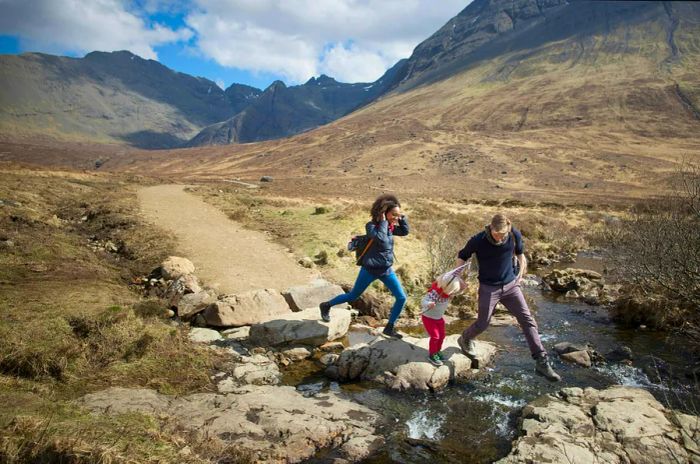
476, 421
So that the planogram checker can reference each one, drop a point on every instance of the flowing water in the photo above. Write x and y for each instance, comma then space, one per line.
476, 421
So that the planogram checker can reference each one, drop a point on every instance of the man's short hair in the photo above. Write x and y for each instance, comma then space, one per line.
500, 223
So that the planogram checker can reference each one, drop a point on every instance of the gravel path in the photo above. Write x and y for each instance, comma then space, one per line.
228, 257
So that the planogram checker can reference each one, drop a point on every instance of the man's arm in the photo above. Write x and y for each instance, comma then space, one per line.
522, 263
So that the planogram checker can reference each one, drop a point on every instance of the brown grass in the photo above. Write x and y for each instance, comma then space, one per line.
71, 324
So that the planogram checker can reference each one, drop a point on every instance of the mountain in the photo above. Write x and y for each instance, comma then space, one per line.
120, 97
281, 111
514, 98
106, 97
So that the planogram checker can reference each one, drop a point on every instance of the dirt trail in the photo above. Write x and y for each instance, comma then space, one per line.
228, 257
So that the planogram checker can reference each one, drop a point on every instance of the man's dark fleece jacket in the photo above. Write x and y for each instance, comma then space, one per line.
380, 256
495, 261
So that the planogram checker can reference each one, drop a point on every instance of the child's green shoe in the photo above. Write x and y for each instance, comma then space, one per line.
435, 359
441, 356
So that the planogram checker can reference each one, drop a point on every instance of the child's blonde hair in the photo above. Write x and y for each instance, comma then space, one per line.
449, 283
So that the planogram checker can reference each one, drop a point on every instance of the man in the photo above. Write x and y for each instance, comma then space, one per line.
495, 249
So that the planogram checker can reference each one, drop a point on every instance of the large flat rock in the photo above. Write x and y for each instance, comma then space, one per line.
246, 308
304, 297
271, 424
301, 328
615, 425
403, 364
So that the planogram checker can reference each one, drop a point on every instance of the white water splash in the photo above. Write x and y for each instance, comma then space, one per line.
625, 375
423, 425
502, 400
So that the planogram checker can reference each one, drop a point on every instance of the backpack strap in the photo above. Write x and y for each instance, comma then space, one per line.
369, 244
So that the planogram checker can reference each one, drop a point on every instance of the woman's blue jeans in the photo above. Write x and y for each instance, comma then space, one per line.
364, 278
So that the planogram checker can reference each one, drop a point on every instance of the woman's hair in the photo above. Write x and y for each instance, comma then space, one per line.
448, 283
500, 223
382, 204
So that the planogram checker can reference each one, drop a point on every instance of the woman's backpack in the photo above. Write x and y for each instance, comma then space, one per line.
360, 244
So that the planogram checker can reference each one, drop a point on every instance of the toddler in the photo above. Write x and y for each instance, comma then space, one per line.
433, 306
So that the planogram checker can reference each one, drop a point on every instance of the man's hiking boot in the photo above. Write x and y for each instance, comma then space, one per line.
467, 346
544, 368
435, 359
389, 331
325, 311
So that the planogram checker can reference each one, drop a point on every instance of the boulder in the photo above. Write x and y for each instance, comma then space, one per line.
270, 424
182, 285
567, 347
575, 283
246, 308
620, 354
174, 267
616, 425
191, 304
309, 296
369, 304
202, 335
403, 364
581, 358
251, 370
301, 328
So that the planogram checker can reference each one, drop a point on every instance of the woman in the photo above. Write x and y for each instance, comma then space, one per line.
386, 222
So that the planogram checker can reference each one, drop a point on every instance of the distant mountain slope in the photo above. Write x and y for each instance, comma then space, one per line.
281, 111
120, 97
106, 97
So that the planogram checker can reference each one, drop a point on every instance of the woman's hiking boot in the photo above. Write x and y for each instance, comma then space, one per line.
389, 331
325, 311
544, 368
435, 359
467, 346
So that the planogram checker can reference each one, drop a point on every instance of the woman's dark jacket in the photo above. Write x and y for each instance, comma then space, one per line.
380, 256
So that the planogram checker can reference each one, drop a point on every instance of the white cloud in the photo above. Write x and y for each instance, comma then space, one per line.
351, 40
58, 26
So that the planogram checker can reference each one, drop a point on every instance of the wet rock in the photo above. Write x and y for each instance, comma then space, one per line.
309, 296
575, 283
271, 423
301, 328
567, 347
581, 358
246, 308
190, 304
530, 281
616, 425
174, 267
202, 335
656, 369
403, 364
619, 354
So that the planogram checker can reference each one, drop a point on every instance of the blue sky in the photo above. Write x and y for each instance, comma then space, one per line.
252, 42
